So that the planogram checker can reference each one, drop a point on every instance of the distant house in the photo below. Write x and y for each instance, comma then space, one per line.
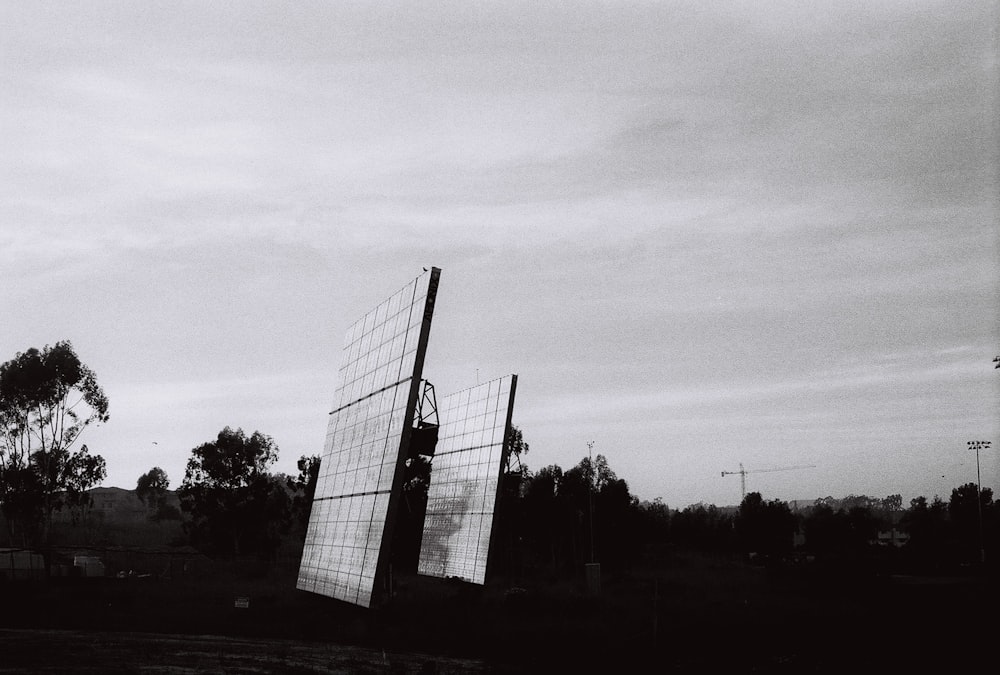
795, 505
893, 537
88, 565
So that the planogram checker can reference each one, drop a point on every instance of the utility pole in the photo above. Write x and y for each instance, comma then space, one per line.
592, 570
590, 496
976, 445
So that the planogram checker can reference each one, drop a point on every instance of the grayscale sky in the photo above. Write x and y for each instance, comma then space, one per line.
701, 233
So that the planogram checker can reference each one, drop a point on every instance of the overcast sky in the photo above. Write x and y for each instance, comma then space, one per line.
701, 233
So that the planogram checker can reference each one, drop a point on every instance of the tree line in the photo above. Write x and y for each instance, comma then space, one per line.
928, 535
550, 519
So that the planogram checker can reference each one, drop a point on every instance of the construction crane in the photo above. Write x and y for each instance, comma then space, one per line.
743, 474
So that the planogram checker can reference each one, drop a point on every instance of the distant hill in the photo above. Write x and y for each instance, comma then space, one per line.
115, 506
117, 517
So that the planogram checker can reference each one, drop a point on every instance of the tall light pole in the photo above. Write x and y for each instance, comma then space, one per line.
977, 445
590, 496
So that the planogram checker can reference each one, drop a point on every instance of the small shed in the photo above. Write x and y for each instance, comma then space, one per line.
21, 563
88, 565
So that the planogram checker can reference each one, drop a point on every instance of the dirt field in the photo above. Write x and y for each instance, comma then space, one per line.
696, 614
54, 651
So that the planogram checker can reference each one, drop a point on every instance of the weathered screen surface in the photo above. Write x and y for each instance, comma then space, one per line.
465, 475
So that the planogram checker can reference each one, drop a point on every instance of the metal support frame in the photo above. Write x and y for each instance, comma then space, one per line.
426, 407
425, 423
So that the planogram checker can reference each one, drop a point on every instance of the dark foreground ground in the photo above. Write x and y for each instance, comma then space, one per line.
61, 651
694, 614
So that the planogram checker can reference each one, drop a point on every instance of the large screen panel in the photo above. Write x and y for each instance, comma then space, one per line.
465, 476
360, 475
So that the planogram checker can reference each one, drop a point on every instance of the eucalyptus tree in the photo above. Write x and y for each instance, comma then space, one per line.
48, 398
235, 505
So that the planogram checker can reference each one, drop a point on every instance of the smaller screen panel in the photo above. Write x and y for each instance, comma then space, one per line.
465, 476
